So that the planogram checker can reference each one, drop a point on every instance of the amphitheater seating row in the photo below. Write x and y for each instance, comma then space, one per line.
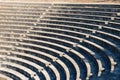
50, 41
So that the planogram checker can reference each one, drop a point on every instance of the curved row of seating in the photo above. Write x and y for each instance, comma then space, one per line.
41, 41
6, 77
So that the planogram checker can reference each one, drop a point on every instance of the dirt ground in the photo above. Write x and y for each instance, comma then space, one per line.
70, 1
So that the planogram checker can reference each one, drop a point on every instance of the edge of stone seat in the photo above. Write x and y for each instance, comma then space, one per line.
2, 78
64, 1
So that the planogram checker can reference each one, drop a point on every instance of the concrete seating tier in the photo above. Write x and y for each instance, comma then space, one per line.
51, 41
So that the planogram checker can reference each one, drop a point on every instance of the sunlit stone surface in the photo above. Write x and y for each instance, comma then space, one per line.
59, 41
